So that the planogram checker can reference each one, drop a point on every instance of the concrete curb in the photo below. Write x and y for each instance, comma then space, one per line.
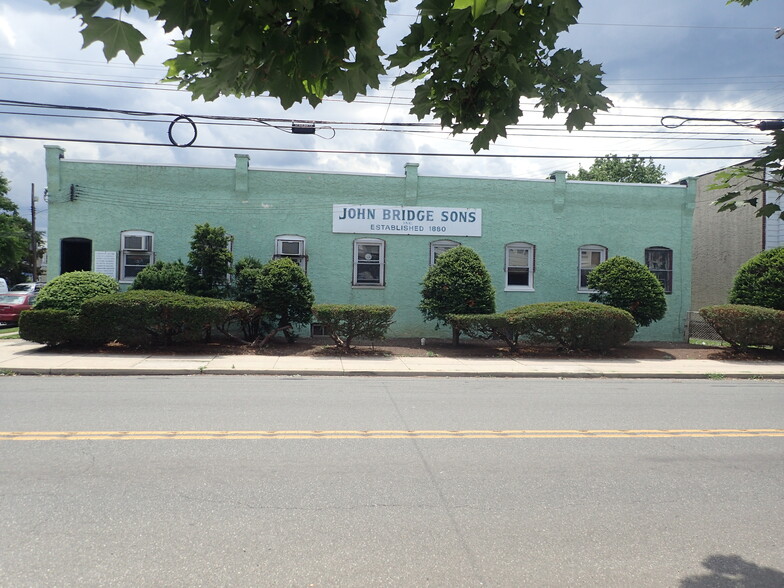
75, 372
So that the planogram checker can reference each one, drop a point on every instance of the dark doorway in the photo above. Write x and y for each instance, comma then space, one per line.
75, 255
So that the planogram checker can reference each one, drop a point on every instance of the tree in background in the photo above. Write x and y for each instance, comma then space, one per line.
760, 281
209, 262
16, 235
472, 60
458, 283
627, 284
628, 170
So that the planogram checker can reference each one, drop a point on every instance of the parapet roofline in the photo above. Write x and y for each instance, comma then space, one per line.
677, 184
345, 173
229, 168
739, 164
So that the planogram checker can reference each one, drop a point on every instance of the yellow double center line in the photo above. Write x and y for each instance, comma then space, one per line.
382, 434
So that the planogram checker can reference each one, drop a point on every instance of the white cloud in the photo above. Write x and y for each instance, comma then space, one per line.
7, 36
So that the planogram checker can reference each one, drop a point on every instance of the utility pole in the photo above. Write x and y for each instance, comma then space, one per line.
34, 244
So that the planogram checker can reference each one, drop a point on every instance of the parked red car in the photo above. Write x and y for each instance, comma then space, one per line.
12, 304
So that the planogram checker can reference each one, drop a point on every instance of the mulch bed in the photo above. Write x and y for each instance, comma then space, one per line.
323, 346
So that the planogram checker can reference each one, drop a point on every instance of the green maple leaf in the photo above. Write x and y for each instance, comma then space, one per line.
115, 35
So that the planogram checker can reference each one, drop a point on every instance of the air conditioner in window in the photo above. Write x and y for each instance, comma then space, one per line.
137, 242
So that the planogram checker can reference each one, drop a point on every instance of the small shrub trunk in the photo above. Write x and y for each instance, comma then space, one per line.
455, 336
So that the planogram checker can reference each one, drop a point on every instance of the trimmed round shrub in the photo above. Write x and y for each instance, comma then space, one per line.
458, 283
281, 288
627, 284
760, 281
577, 326
744, 326
161, 275
68, 291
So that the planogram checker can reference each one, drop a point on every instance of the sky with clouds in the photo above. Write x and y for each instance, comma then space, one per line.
693, 59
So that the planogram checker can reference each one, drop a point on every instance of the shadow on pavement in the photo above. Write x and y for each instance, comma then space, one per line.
732, 571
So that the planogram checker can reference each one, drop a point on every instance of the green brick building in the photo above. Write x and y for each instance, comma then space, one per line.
369, 239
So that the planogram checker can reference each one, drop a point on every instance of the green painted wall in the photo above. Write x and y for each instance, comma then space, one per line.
255, 206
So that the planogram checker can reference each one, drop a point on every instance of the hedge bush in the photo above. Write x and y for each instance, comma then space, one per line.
743, 325
489, 326
50, 326
68, 291
760, 281
156, 317
627, 284
577, 326
345, 322
161, 275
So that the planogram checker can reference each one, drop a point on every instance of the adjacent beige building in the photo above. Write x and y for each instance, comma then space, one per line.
723, 241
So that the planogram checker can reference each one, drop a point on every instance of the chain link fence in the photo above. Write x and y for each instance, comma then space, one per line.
698, 328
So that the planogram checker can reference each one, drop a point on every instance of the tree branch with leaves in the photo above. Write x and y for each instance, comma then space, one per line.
763, 177
472, 60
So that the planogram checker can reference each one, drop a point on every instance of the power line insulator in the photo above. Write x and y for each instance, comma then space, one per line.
771, 125
303, 128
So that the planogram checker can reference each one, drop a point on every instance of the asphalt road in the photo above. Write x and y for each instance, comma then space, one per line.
244, 481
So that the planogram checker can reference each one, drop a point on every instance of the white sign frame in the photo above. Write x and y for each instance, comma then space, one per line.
374, 219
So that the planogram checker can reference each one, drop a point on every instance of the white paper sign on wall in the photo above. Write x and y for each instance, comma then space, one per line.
106, 263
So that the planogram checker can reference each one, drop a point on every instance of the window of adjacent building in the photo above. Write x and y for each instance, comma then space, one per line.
368, 262
659, 261
590, 257
293, 247
519, 266
439, 247
136, 254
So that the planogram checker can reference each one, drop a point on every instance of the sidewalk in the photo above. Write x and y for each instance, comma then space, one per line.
25, 358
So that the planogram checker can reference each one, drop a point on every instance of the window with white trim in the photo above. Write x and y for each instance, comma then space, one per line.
136, 253
293, 247
368, 262
439, 247
519, 266
589, 257
659, 261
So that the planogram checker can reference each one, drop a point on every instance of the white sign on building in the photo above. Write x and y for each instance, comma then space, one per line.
106, 263
406, 220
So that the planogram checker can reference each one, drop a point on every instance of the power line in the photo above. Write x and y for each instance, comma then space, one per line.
350, 152
269, 120
434, 128
690, 81
380, 98
669, 26
161, 69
